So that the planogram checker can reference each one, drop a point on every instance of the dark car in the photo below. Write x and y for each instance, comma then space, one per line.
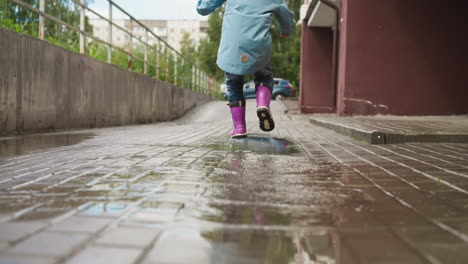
281, 89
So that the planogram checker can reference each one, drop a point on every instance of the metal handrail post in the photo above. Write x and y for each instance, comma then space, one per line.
207, 83
109, 47
192, 78
158, 62
145, 70
175, 69
82, 28
130, 45
166, 53
203, 83
198, 80
41, 20
182, 65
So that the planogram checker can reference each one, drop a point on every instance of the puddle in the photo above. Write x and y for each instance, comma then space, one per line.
265, 215
243, 246
15, 146
260, 145
106, 208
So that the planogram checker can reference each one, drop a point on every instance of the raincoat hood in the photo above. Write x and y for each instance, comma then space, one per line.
245, 38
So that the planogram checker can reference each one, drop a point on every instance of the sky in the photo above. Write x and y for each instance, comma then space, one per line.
152, 9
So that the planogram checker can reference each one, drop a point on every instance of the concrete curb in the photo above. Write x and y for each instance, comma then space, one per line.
369, 136
384, 137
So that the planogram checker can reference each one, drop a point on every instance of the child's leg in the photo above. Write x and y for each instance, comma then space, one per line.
264, 77
234, 85
263, 90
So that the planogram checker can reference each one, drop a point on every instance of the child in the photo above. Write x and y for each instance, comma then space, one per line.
246, 48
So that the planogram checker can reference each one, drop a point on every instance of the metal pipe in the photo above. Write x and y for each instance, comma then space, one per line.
175, 70
88, 35
109, 47
143, 26
158, 62
130, 46
82, 28
145, 70
166, 53
41, 20
192, 78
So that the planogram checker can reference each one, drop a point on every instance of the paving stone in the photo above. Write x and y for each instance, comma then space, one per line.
429, 236
128, 237
196, 249
106, 255
154, 216
49, 244
448, 253
79, 224
16, 230
4, 259
380, 247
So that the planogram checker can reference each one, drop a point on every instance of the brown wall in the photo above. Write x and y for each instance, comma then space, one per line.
403, 57
316, 92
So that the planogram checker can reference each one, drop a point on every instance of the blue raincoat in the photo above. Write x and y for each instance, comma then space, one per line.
245, 39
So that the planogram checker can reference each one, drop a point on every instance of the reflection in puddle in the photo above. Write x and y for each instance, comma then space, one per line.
260, 145
243, 246
106, 208
14, 146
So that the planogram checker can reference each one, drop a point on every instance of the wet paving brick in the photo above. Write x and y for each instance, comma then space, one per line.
184, 192
99, 254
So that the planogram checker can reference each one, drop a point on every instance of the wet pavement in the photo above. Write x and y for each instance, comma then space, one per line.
184, 192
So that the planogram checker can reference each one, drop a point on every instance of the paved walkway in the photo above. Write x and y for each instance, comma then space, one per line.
184, 192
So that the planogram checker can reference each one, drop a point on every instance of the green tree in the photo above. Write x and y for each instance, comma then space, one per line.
188, 49
25, 21
287, 51
207, 51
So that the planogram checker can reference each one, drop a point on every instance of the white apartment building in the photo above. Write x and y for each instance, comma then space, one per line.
170, 31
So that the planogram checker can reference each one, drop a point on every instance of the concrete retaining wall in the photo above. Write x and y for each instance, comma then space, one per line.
45, 88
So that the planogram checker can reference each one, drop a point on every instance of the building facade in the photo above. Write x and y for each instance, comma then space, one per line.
399, 57
171, 31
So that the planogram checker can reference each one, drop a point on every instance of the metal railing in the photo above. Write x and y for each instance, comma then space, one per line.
185, 74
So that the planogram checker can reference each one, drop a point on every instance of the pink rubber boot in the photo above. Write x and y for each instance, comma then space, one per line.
263, 109
238, 120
